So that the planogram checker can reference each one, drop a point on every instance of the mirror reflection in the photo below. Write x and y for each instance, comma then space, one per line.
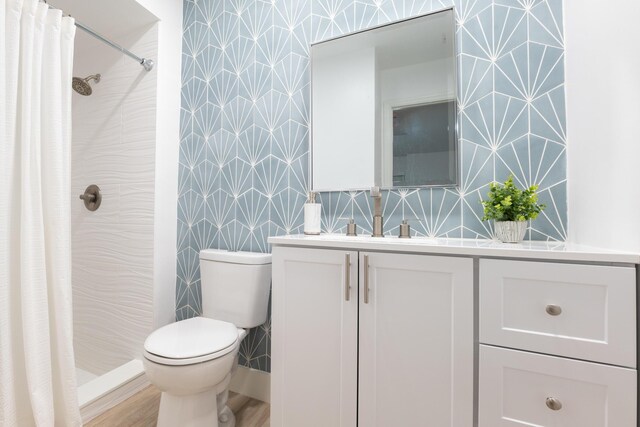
423, 145
384, 107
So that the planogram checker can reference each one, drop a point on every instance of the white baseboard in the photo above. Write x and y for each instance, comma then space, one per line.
253, 383
108, 390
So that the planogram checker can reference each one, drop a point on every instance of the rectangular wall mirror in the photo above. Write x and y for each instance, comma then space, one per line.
384, 107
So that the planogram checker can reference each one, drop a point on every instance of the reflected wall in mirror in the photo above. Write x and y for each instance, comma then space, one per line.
384, 107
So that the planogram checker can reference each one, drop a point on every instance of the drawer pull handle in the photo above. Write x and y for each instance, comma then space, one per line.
553, 310
553, 404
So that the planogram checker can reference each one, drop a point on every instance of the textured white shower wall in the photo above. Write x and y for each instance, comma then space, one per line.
114, 138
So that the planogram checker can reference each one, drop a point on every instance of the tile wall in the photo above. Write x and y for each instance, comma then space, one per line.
245, 125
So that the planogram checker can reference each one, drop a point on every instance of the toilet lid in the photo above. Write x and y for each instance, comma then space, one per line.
191, 338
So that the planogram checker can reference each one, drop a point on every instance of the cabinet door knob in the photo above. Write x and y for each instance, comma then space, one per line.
553, 404
553, 310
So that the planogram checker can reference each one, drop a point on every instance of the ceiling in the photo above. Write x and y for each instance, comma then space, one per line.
112, 19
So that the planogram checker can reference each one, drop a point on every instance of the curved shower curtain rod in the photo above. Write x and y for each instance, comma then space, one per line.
148, 64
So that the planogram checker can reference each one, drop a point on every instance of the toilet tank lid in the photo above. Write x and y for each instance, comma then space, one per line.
221, 255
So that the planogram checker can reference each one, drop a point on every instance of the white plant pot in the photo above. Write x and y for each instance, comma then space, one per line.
510, 231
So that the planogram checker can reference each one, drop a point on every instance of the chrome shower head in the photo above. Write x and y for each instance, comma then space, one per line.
82, 85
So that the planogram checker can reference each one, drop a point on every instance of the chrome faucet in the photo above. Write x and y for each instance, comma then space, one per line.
377, 212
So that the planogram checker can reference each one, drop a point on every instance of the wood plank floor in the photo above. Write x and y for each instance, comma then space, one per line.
141, 410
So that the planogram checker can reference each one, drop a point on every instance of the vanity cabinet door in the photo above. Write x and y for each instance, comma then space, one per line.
416, 341
314, 338
520, 389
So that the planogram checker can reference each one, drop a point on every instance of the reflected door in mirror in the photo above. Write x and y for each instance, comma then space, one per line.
422, 151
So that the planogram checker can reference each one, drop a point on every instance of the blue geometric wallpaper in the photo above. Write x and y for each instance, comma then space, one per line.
246, 112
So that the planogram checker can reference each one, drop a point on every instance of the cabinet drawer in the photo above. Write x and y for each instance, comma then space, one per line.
525, 389
580, 311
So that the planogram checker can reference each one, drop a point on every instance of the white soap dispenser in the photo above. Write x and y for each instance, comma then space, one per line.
312, 212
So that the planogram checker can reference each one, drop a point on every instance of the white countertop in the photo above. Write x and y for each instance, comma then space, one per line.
558, 251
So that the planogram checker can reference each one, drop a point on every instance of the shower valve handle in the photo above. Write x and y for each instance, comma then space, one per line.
92, 197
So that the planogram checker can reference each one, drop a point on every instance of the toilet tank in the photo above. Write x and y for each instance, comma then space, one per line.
235, 286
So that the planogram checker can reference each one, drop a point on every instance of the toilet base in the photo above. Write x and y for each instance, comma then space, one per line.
226, 418
197, 410
200, 410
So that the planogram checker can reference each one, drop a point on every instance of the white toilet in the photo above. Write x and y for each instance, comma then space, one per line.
191, 361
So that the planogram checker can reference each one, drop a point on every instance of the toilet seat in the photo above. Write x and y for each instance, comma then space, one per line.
191, 341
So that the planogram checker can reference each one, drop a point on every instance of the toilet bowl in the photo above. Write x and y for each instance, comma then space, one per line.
191, 361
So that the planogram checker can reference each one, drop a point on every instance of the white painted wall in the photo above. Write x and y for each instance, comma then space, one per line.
424, 80
603, 122
114, 139
344, 120
169, 60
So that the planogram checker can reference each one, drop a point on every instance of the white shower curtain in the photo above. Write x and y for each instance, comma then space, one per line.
37, 373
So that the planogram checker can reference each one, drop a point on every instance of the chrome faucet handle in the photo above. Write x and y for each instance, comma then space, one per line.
351, 226
405, 230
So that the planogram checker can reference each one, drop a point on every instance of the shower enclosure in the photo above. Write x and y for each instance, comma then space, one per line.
113, 151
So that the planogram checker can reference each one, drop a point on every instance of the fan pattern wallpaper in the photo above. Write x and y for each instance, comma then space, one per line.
244, 149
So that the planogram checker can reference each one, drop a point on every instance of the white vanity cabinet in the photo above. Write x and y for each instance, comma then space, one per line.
452, 333
384, 341
542, 327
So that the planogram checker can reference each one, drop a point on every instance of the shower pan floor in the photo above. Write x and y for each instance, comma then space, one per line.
105, 391
84, 377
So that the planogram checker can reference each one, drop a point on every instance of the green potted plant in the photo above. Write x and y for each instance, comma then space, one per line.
510, 208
